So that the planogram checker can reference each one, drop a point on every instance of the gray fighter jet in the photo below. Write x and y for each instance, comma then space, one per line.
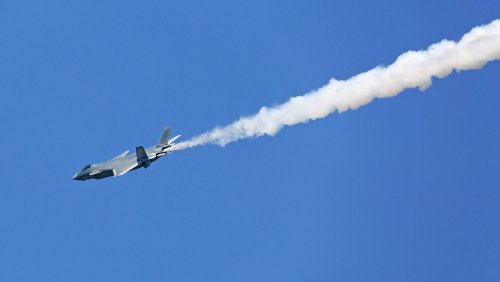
124, 163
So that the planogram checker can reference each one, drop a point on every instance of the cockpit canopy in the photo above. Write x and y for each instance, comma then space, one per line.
86, 166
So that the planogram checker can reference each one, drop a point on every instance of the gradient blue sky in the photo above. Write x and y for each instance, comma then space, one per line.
404, 189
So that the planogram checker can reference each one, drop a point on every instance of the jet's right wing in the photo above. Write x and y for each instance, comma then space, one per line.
122, 169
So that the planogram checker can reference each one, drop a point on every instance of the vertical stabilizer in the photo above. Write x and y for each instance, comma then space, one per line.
164, 136
141, 154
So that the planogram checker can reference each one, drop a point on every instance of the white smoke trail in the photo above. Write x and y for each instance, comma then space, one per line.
411, 69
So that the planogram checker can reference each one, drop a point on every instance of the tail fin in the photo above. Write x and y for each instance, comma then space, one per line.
165, 135
141, 154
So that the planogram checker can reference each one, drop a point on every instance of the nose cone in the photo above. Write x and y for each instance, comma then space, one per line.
78, 176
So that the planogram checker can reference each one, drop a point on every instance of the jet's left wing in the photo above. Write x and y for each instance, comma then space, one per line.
121, 155
122, 169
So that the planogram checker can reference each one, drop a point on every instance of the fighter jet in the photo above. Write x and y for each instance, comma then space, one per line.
124, 163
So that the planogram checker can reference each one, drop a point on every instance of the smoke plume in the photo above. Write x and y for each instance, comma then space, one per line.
410, 70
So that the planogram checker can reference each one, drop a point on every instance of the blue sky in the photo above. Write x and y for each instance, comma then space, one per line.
403, 189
